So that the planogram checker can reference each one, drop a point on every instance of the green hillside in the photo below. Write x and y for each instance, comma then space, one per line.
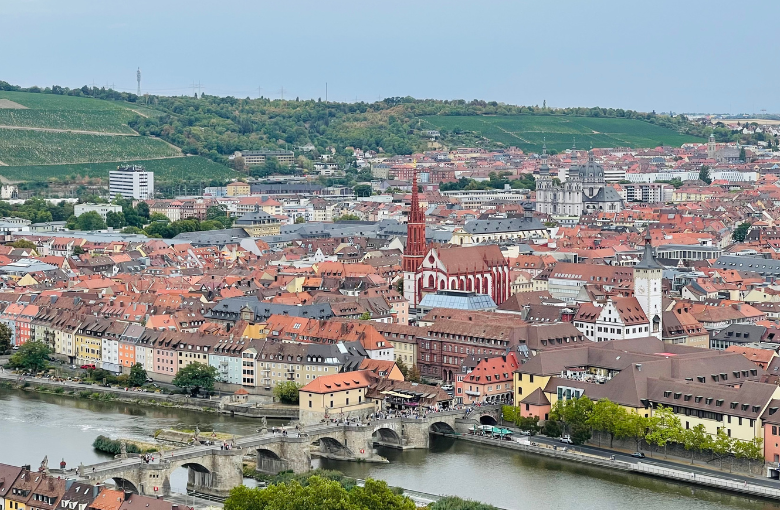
26, 147
167, 170
53, 111
528, 132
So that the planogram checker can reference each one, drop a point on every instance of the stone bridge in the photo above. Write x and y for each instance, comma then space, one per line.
211, 470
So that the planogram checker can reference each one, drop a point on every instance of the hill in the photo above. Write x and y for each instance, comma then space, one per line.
530, 132
57, 132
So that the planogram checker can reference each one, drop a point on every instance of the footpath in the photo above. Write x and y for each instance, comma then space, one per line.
134, 396
622, 461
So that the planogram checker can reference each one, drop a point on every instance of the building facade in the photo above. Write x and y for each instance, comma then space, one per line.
132, 182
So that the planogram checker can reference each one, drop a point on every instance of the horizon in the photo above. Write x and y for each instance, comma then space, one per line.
571, 55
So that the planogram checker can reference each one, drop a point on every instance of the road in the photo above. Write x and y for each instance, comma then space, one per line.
655, 461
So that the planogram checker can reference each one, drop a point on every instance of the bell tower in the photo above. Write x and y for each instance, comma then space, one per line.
416, 246
647, 287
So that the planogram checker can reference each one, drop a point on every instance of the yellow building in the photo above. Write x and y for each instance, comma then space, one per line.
238, 189
88, 343
336, 396
259, 223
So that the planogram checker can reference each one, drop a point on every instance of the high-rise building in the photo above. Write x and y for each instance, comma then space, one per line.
415, 247
131, 181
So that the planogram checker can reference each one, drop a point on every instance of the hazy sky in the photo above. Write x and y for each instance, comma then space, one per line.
683, 55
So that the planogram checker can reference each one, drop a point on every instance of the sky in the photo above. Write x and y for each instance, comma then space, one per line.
679, 56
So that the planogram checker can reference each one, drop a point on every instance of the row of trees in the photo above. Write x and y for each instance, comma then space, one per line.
495, 181
580, 417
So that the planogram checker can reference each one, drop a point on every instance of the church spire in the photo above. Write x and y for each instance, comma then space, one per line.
648, 258
543, 168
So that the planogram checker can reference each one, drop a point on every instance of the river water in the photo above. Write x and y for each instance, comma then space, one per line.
33, 425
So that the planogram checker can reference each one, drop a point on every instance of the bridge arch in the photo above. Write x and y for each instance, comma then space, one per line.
487, 419
441, 427
268, 461
332, 447
189, 476
123, 484
387, 436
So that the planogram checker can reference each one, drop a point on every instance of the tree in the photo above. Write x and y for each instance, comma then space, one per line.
750, 450
633, 426
414, 374
115, 219
742, 155
722, 445
552, 429
299, 220
90, 221
365, 316
695, 439
741, 232
704, 174
239, 164
456, 503
347, 217
318, 493
287, 392
142, 210
32, 355
137, 375
605, 418
666, 429
23, 244
573, 412
528, 423
5, 338
195, 376
363, 190
78, 250
402, 367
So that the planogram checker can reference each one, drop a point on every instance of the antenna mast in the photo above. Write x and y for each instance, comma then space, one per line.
138, 77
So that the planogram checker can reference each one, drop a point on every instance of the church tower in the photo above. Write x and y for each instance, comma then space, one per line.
415, 246
544, 185
711, 147
647, 287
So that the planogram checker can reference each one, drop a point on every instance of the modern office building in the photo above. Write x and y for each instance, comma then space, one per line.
131, 181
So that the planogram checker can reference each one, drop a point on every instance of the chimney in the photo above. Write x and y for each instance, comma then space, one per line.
638, 367
128, 494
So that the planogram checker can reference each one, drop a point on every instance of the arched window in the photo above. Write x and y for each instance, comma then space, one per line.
431, 282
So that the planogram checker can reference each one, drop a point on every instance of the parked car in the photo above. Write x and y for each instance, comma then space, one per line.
447, 387
566, 439
638, 455
88, 367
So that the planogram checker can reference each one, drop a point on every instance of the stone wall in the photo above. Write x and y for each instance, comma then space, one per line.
730, 463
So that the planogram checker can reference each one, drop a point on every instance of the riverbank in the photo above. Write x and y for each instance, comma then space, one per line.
12, 381
696, 477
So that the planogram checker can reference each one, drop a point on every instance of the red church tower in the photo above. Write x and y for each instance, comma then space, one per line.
416, 247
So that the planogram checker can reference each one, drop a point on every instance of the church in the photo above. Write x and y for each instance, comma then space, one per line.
480, 269
584, 191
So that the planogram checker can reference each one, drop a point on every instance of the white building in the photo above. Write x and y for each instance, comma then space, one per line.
617, 319
101, 209
131, 181
647, 287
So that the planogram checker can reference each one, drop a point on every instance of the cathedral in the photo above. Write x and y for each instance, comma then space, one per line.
584, 191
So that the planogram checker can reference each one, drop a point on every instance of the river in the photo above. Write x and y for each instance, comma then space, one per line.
33, 425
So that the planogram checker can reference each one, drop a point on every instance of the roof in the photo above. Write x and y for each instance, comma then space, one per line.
339, 382
536, 398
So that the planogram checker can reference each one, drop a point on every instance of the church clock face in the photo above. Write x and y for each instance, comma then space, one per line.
640, 287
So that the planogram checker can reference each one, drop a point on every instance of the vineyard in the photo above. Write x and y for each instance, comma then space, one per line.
167, 170
65, 112
529, 132
23, 147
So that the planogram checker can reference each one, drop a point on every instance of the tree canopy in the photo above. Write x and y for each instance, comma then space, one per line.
32, 355
318, 494
195, 376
